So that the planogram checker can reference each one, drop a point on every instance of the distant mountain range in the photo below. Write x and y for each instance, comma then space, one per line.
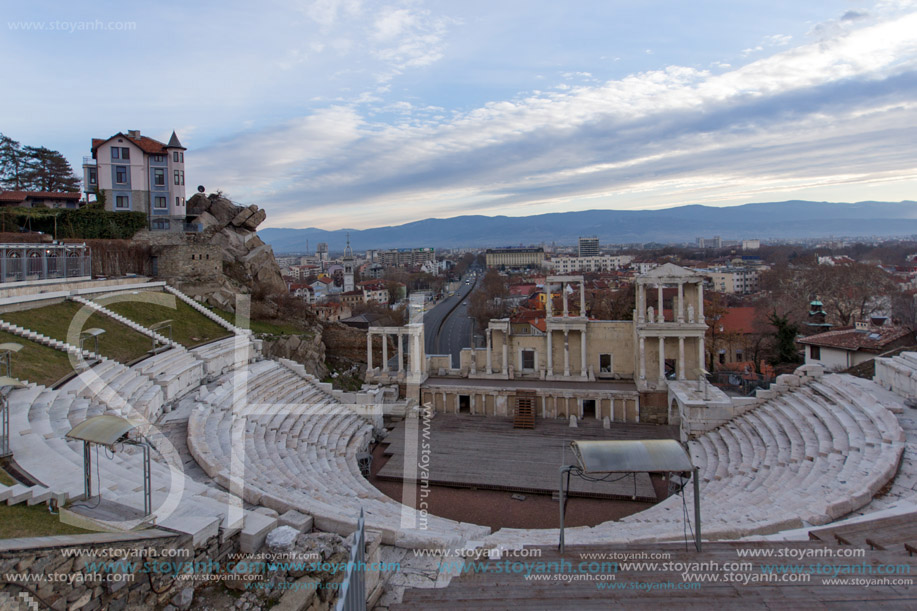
781, 220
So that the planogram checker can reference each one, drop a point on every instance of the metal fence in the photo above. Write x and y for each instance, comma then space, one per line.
24, 262
352, 594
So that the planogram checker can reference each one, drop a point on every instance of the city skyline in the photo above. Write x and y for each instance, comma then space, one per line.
337, 114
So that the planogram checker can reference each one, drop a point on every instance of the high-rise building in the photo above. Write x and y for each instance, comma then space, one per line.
589, 247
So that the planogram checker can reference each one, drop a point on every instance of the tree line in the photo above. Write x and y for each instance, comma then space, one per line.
31, 168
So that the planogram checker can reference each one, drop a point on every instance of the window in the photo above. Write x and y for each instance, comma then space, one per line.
160, 224
93, 176
175, 177
122, 202
159, 158
115, 152
528, 359
159, 177
182, 174
181, 158
120, 174
179, 202
175, 156
815, 353
159, 202
125, 153
605, 363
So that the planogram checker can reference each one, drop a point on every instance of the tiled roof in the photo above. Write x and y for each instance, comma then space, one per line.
873, 339
144, 143
21, 196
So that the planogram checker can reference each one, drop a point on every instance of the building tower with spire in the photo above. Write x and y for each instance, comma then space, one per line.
348, 267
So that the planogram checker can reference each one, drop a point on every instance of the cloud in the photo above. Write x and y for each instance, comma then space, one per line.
833, 112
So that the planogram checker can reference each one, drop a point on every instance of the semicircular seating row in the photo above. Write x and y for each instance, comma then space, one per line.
293, 446
807, 456
41, 417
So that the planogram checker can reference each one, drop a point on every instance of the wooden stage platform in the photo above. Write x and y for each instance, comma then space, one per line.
471, 451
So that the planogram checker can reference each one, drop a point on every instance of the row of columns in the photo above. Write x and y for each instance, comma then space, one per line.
615, 404
681, 356
549, 301
414, 355
582, 345
695, 314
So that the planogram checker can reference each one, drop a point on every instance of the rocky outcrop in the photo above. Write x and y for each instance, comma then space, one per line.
227, 235
246, 258
307, 349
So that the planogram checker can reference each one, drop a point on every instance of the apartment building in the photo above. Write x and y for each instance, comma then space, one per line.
132, 172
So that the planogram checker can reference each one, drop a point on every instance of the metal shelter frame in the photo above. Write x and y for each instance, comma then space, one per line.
6, 384
157, 328
109, 430
630, 456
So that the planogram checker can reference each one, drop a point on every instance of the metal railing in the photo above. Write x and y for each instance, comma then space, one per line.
22, 262
352, 593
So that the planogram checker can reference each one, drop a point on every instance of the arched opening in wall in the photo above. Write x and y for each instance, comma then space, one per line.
464, 404
589, 408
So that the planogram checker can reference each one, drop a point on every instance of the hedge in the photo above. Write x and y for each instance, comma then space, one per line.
84, 223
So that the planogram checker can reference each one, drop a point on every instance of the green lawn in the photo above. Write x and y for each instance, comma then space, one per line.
37, 363
35, 521
263, 326
189, 327
120, 342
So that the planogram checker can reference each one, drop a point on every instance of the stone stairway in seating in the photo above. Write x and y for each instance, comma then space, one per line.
812, 453
40, 418
125, 321
295, 448
47, 341
206, 312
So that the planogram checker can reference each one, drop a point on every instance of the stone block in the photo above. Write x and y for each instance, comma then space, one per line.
255, 531
299, 521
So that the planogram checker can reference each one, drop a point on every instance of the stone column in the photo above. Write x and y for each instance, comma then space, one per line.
566, 353
417, 365
641, 302
700, 303
471, 404
582, 352
385, 352
489, 351
550, 352
505, 369
611, 414
681, 302
582, 299
700, 353
681, 357
549, 301
642, 357
563, 292
369, 350
400, 352
661, 359
660, 313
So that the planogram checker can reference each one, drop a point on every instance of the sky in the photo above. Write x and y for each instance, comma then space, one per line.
356, 114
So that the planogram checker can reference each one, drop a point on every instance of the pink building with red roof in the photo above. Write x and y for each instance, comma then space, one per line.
139, 174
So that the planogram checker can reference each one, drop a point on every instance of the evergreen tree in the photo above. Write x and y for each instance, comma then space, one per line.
785, 335
12, 165
48, 170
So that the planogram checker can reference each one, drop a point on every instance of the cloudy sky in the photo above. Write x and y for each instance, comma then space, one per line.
356, 113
